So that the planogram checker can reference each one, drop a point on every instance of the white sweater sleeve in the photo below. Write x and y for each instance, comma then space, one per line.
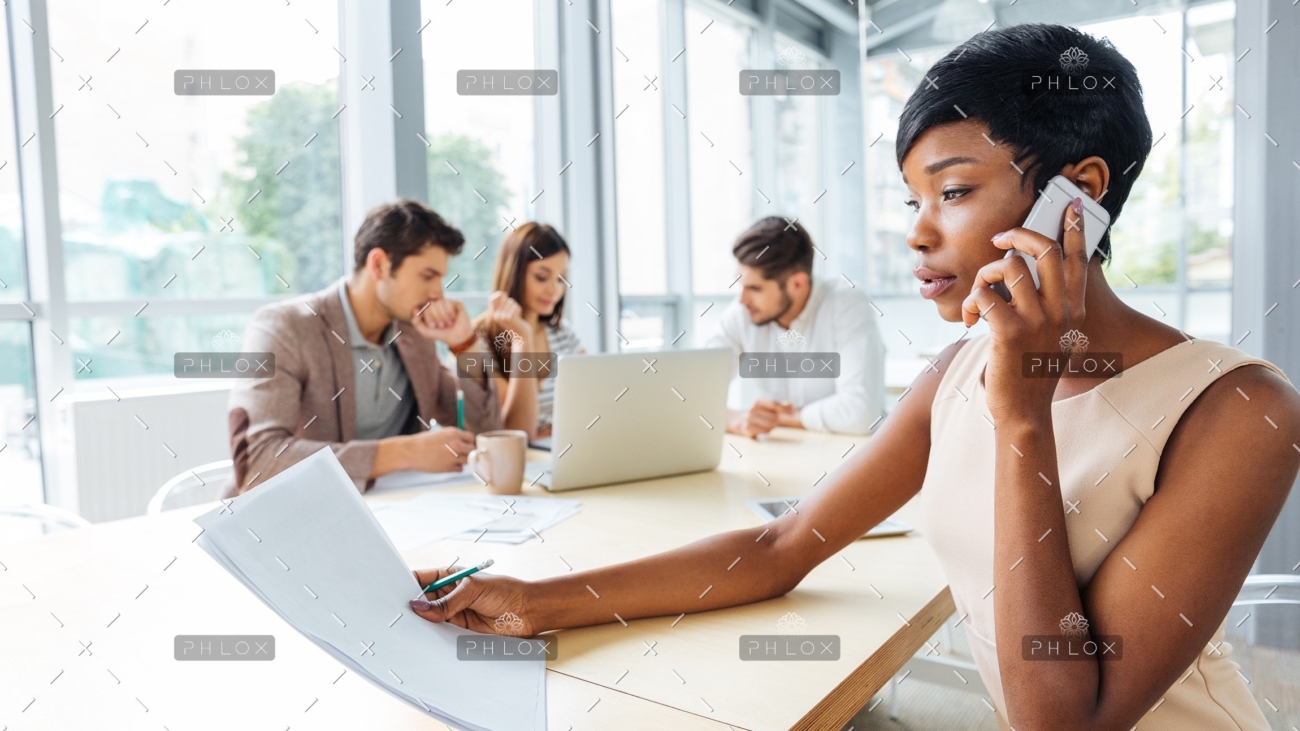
858, 401
730, 334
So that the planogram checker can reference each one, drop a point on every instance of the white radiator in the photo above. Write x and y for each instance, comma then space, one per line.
116, 448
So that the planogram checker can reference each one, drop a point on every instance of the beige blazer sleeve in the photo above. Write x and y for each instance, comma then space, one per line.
276, 408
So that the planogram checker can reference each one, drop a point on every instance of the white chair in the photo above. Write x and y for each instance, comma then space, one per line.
1269, 660
202, 484
42, 518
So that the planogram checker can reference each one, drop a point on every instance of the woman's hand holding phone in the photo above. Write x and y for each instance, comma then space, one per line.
1046, 218
1034, 320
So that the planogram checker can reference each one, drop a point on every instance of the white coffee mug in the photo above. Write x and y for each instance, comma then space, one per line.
499, 460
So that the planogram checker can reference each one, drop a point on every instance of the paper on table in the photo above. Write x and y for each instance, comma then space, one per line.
506, 518
414, 528
306, 544
412, 479
527, 518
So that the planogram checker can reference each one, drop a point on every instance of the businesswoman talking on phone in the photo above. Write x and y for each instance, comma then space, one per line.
1044, 498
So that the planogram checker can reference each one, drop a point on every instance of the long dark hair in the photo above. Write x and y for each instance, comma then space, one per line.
526, 243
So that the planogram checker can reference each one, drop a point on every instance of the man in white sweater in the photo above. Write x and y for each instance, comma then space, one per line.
783, 309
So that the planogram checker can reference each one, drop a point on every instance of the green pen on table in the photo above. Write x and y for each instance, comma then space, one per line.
460, 409
457, 576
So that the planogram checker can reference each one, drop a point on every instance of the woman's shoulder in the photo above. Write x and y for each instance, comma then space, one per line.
966, 352
956, 364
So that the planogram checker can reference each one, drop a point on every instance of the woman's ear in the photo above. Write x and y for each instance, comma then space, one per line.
1091, 174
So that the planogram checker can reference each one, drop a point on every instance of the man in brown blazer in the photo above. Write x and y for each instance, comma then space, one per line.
356, 368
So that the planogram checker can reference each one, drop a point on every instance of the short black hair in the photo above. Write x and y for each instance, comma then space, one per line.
991, 78
775, 247
402, 228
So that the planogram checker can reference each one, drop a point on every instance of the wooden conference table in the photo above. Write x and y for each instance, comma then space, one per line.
88, 617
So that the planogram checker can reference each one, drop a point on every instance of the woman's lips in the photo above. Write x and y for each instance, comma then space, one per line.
931, 288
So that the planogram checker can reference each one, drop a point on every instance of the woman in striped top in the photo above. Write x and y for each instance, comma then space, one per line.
525, 315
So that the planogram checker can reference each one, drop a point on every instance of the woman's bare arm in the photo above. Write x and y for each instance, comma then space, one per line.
1167, 584
873, 483
518, 403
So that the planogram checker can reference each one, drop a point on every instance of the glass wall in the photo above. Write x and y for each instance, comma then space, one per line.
222, 197
639, 145
180, 215
889, 81
741, 157
722, 176
798, 180
13, 266
481, 148
20, 455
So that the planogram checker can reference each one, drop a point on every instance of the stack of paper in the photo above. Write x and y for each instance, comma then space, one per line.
306, 544
415, 521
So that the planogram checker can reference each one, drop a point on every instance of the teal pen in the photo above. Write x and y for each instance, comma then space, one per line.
460, 409
457, 576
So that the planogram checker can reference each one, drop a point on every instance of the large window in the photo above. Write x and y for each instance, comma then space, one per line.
481, 156
639, 146
167, 197
697, 162
1183, 200
722, 176
19, 430
640, 81
889, 82
1171, 247
13, 267
797, 186
180, 215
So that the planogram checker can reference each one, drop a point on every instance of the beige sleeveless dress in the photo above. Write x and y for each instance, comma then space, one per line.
1116, 430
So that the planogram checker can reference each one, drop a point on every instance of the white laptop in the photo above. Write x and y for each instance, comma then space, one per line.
631, 416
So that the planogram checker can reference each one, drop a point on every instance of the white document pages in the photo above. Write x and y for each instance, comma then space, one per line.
433, 516
410, 529
308, 546
414, 480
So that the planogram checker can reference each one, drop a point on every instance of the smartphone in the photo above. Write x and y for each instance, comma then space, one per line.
1047, 217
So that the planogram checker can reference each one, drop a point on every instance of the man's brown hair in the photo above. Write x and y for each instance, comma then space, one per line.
776, 248
403, 228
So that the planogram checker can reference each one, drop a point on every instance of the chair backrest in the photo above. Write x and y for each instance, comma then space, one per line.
1269, 589
37, 520
202, 484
